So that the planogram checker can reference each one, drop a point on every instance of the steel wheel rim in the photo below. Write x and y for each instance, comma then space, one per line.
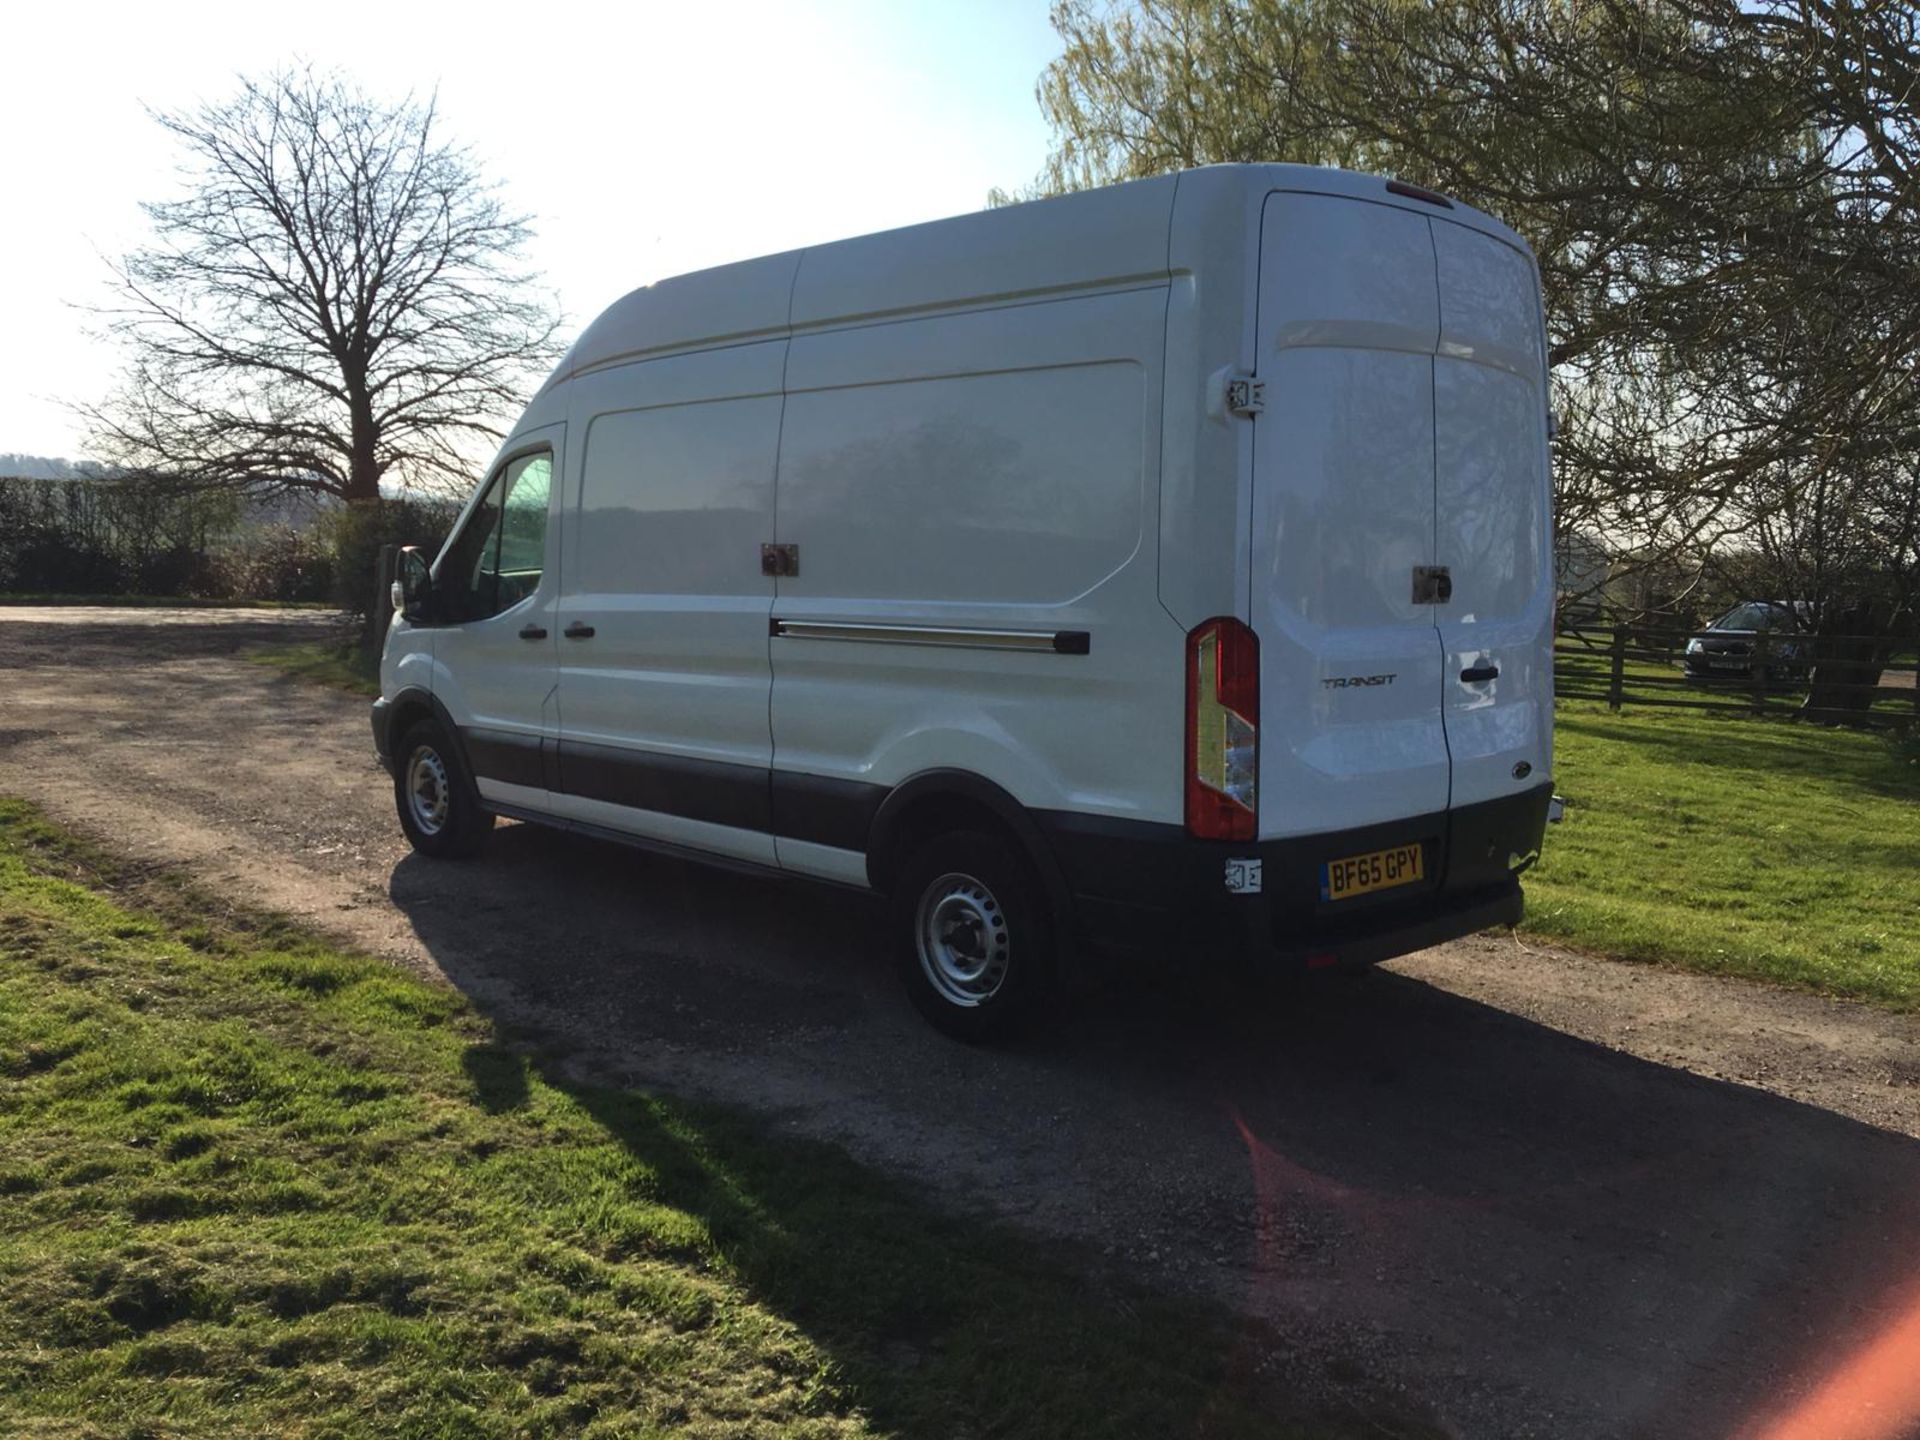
428, 793
963, 938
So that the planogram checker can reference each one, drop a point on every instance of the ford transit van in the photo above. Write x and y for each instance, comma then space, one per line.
1163, 566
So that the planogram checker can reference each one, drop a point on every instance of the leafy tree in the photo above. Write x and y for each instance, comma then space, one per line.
1724, 196
336, 302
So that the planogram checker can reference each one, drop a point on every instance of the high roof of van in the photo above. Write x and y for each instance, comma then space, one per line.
1090, 239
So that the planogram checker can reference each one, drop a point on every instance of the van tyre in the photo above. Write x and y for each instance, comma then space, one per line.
439, 807
972, 937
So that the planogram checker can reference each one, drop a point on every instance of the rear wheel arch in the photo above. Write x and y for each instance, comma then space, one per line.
937, 802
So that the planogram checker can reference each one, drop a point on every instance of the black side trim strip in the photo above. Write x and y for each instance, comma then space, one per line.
963, 637
715, 791
502, 755
657, 847
822, 810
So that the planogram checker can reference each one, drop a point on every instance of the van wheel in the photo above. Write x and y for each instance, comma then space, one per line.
439, 808
972, 936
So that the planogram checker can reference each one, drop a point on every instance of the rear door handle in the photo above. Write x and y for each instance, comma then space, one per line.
1478, 674
578, 631
533, 632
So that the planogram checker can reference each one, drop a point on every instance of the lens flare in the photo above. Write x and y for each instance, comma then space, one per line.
1874, 1394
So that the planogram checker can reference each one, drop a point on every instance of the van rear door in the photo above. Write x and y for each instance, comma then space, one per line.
1401, 573
1343, 517
1491, 482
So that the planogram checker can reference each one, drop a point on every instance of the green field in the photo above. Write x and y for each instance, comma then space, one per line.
1775, 849
339, 663
251, 1185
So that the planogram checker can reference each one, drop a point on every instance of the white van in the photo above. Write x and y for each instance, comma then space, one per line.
1162, 566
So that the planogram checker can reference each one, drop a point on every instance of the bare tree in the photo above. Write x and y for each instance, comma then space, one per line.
336, 301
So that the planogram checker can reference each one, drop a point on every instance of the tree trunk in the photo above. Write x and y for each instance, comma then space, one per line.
1852, 648
363, 473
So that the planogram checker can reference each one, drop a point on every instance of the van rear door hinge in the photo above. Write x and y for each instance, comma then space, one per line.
1245, 395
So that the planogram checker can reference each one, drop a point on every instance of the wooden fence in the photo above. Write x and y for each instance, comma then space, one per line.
1779, 674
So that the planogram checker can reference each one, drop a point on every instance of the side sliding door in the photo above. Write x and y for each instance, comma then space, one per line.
663, 611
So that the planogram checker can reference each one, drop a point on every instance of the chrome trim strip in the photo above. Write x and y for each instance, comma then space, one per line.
957, 636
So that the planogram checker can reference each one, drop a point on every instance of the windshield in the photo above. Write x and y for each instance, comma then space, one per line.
1753, 615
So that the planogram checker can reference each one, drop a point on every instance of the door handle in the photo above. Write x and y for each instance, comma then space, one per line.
578, 631
1432, 585
1479, 674
533, 632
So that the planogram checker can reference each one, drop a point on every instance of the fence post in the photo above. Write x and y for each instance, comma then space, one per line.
1757, 671
1617, 669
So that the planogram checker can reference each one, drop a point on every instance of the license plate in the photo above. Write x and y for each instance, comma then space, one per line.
1379, 870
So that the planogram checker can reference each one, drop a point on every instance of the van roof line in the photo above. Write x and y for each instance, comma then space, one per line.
1113, 237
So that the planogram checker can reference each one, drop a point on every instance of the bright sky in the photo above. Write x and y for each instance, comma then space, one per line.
646, 138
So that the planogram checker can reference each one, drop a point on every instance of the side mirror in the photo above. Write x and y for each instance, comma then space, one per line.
413, 585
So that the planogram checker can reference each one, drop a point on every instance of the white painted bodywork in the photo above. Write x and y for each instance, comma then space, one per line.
1343, 510
662, 523
482, 671
1014, 421
1492, 508
991, 470
1406, 426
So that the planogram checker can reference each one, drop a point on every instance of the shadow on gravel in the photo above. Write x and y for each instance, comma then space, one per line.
1540, 1225
55, 635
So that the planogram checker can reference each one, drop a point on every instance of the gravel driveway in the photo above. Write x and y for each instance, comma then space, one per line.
1547, 1194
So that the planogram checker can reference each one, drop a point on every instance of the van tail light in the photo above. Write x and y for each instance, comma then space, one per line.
1223, 730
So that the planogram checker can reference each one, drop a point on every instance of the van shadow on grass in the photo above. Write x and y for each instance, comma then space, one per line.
1521, 1223
942, 1323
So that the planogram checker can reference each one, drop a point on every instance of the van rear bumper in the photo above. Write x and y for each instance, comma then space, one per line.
1139, 886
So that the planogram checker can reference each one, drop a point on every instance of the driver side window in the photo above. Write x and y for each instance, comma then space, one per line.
495, 561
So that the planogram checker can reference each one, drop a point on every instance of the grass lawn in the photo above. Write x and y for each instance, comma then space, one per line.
251, 1185
1774, 849
341, 664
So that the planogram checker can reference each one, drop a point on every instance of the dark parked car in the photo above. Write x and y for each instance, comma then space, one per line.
1725, 650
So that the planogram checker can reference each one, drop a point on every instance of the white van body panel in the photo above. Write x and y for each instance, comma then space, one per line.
988, 471
1495, 529
728, 305
1112, 237
498, 685
1351, 732
665, 514
940, 508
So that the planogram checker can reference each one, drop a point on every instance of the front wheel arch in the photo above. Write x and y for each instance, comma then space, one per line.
467, 818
